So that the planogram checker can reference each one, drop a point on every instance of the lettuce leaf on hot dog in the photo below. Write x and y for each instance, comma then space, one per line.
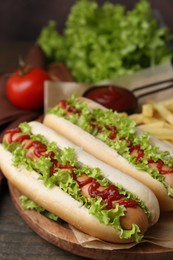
119, 133
63, 178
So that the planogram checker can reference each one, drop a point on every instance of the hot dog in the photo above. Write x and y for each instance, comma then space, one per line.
68, 182
114, 139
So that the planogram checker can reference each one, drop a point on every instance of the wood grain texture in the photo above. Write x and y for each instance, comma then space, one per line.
62, 237
16, 22
18, 241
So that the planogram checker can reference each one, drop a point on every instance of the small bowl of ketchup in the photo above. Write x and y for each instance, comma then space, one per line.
113, 97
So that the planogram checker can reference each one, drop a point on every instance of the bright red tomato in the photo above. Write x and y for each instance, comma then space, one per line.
25, 88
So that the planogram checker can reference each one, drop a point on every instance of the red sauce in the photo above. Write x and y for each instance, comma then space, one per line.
111, 128
93, 192
112, 136
50, 154
113, 97
109, 194
85, 182
70, 109
128, 203
13, 131
62, 103
160, 166
129, 143
138, 152
39, 148
56, 165
22, 138
96, 126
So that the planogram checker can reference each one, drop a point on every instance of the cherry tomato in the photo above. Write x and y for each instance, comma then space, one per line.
25, 88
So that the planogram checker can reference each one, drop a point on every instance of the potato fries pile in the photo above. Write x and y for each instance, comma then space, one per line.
156, 118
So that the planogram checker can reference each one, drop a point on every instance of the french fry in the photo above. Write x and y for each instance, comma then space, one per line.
147, 110
168, 103
155, 124
156, 118
150, 120
164, 112
161, 133
170, 142
138, 118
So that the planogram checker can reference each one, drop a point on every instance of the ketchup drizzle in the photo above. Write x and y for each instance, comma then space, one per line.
56, 165
63, 104
109, 194
135, 150
66, 106
161, 167
13, 131
138, 150
22, 138
39, 148
85, 182
128, 203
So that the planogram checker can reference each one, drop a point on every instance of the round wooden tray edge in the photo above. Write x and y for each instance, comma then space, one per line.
62, 236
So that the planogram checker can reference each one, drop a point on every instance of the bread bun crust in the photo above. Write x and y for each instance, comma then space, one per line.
114, 175
105, 153
63, 205
54, 200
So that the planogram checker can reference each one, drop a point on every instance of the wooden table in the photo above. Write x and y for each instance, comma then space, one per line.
10, 53
17, 240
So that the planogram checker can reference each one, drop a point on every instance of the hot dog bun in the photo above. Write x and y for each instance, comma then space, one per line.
62, 204
104, 152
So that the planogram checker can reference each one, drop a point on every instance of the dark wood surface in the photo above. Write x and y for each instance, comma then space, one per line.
62, 236
17, 240
11, 52
16, 22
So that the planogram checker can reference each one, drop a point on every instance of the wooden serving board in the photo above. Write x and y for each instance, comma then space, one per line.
62, 236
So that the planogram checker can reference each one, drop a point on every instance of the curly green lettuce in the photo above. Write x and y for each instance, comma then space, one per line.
64, 179
28, 204
106, 41
125, 131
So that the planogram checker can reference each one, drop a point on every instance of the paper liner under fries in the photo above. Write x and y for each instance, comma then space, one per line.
139, 83
160, 234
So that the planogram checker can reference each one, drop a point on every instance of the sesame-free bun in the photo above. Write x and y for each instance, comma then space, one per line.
103, 152
67, 208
